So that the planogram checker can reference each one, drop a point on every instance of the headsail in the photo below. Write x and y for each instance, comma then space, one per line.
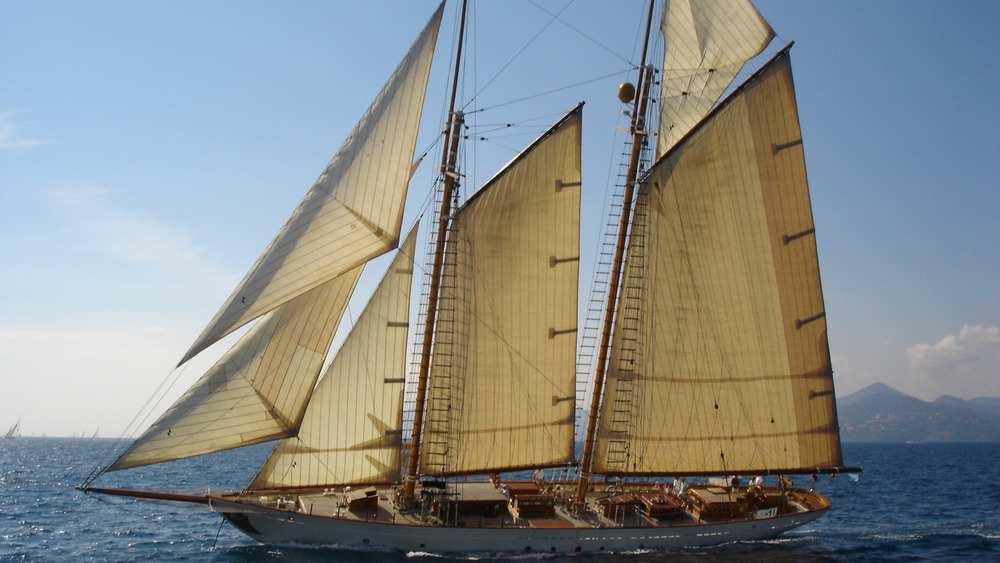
354, 210
503, 366
706, 45
351, 431
726, 367
258, 390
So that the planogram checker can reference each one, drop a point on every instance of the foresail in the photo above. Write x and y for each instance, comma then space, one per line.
706, 44
725, 368
351, 430
354, 210
502, 381
259, 389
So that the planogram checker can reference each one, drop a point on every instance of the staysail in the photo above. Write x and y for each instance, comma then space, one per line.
706, 45
352, 428
354, 210
502, 381
726, 367
258, 390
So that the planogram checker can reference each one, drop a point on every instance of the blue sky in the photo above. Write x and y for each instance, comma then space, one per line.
149, 151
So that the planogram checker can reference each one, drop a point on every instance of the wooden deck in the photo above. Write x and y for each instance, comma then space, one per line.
524, 504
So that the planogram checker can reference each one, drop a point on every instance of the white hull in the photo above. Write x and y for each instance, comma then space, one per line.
273, 526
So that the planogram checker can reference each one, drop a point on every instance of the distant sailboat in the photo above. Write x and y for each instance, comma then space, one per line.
713, 360
14, 432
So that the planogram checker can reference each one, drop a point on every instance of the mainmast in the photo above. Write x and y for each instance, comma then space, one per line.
449, 157
639, 134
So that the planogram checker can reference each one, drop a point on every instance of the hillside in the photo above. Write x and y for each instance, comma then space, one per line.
879, 413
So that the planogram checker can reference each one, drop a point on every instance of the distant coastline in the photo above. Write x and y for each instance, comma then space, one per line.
879, 413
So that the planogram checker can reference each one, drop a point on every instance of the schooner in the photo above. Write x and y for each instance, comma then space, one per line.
712, 361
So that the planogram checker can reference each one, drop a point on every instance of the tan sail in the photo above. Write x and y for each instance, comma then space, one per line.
354, 210
351, 430
706, 45
501, 392
725, 368
259, 389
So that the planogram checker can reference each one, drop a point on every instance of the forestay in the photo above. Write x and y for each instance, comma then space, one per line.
258, 390
720, 362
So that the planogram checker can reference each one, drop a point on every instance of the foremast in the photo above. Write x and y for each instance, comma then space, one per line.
639, 136
449, 174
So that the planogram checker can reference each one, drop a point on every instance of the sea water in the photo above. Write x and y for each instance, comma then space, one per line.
914, 502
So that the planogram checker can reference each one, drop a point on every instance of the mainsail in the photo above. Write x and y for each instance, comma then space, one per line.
352, 213
501, 392
725, 368
706, 45
352, 427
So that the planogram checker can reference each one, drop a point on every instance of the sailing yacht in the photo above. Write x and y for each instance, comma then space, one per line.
711, 355
13, 431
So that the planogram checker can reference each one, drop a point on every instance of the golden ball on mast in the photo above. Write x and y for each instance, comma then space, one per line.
626, 92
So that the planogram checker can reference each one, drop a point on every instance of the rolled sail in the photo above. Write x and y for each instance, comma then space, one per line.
502, 380
352, 213
725, 367
706, 44
351, 430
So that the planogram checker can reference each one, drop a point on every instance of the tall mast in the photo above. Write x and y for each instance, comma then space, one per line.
638, 131
449, 157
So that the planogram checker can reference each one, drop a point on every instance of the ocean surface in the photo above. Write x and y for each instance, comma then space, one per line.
914, 502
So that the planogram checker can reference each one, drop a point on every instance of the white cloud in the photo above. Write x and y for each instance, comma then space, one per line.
10, 139
69, 382
966, 365
65, 382
132, 237
848, 378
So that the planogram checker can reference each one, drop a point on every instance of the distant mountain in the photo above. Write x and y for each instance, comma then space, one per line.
879, 413
987, 404
873, 389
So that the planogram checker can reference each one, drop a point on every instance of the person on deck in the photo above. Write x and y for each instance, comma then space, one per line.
681, 489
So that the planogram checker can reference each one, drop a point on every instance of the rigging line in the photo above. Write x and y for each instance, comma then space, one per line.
297, 452
132, 428
516, 55
540, 123
222, 521
437, 139
556, 17
548, 92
